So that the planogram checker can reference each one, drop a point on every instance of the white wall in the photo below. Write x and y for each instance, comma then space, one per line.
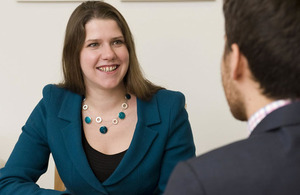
179, 45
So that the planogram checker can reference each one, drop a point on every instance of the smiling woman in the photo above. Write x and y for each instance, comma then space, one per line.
108, 128
104, 57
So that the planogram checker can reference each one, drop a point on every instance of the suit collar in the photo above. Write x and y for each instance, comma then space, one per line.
148, 112
70, 111
144, 136
287, 115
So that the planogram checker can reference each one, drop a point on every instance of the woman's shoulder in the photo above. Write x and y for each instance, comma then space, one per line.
170, 96
52, 89
52, 92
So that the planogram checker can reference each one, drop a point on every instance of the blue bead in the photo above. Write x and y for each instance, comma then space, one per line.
127, 96
103, 129
88, 120
122, 115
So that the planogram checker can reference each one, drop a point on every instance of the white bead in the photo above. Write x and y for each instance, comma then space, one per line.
98, 119
85, 107
124, 106
115, 121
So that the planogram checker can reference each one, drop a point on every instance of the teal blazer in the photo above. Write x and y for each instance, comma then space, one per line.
162, 138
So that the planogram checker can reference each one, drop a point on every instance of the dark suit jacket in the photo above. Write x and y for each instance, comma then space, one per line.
267, 163
162, 138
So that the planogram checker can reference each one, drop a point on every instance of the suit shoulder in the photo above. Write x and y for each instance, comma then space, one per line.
54, 90
223, 156
170, 96
53, 93
166, 92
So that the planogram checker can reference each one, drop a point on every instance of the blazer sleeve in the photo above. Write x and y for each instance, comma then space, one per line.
180, 143
184, 180
30, 156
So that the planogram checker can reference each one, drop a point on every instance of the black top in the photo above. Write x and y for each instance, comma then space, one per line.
103, 165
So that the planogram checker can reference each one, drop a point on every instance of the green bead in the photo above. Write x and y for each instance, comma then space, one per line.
88, 120
122, 115
103, 129
127, 96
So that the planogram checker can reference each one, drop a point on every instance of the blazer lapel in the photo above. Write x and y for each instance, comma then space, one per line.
71, 112
143, 137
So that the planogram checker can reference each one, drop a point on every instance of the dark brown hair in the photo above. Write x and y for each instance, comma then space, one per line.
268, 35
134, 80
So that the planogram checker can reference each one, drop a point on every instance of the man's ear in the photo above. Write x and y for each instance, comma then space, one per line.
236, 62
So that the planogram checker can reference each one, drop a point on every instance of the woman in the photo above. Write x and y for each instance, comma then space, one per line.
110, 130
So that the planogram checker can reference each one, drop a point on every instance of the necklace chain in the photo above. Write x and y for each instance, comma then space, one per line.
103, 129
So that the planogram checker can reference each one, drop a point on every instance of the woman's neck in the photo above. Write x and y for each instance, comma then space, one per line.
105, 99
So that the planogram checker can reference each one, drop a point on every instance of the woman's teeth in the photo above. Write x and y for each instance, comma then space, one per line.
107, 68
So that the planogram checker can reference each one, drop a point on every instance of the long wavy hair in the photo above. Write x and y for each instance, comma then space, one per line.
134, 80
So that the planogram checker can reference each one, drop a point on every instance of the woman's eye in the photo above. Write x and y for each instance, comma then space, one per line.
93, 45
118, 42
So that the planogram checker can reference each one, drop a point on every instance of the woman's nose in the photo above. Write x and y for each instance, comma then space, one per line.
107, 52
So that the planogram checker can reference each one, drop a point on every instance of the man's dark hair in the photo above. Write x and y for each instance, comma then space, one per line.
268, 35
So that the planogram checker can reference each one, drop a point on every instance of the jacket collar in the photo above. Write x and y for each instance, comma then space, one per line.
70, 111
287, 115
143, 138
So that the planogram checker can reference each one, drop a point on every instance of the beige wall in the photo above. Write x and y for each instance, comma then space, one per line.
179, 45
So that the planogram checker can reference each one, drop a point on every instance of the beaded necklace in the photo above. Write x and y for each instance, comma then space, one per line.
103, 129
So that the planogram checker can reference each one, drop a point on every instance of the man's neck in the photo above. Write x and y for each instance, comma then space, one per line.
254, 104
259, 115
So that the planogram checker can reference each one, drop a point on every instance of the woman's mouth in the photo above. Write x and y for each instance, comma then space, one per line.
108, 68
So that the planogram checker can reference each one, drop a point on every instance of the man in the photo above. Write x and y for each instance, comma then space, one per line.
261, 80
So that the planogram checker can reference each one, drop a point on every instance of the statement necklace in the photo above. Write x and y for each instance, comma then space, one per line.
103, 129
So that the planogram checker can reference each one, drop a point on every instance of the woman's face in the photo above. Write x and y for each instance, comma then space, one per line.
104, 57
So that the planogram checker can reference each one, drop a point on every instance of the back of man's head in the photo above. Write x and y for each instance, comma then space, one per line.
268, 35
